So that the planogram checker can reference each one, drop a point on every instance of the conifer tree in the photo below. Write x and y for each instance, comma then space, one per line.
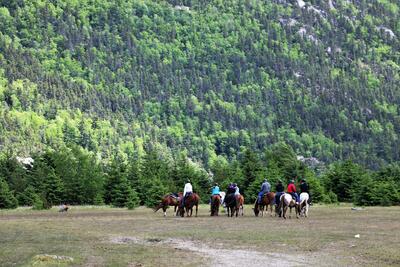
7, 199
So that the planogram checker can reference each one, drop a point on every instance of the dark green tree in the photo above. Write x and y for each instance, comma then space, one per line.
7, 199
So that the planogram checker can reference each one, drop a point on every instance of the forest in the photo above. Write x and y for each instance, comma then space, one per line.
118, 102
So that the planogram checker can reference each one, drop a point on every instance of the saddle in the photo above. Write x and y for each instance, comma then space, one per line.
175, 195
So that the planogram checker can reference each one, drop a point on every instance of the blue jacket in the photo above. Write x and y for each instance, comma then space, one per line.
265, 187
215, 190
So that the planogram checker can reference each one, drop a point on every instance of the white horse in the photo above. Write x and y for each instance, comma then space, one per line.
286, 201
223, 194
303, 206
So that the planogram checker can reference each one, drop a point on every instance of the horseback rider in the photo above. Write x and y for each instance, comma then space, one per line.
231, 189
305, 189
280, 190
187, 191
303, 186
291, 189
236, 189
214, 191
265, 189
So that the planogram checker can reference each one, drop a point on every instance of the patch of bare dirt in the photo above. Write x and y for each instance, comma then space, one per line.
219, 256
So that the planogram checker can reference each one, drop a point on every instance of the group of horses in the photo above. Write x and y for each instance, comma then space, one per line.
234, 204
286, 202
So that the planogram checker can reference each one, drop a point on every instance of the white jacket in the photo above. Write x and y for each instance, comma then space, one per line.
188, 189
237, 191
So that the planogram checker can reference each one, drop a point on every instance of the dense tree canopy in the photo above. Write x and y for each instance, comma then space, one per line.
120, 100
209, 76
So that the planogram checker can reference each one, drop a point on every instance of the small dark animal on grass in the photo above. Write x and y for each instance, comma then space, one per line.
63, 208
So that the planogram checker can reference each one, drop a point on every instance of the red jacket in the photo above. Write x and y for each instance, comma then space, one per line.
291, 188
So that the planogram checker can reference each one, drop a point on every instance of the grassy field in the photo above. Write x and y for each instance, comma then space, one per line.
102, 236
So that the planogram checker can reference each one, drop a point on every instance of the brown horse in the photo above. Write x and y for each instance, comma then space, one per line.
266, 200
286, 201
168, 200
190, 201
240, 200
215, 202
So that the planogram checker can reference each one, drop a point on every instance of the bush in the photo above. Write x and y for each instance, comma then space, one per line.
330, 198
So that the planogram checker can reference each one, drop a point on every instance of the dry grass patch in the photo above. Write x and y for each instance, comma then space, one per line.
86, 234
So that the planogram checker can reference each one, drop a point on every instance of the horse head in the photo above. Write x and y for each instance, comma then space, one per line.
256, 210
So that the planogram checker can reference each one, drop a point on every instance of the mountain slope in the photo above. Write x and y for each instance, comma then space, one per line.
208, 76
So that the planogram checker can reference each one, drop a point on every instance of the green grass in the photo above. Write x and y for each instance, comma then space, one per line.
84, 233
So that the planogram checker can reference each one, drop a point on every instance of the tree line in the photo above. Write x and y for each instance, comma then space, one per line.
76, 176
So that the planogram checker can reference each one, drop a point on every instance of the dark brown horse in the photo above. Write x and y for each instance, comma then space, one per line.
266, 200
232, 204
190, 201
215, 202
168, 200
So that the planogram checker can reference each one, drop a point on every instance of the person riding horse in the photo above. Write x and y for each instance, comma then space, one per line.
280, 189
237, 192
231, 200
291, 189
265, 189
187, 190
215, 196
304, 188
214, 191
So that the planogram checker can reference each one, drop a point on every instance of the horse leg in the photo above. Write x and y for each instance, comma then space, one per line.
284, 212
165, 211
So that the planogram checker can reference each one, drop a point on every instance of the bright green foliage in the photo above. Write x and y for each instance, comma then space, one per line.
116, 76
217, 82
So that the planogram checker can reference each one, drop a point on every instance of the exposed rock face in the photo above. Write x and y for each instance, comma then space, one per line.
386, 31
26, 162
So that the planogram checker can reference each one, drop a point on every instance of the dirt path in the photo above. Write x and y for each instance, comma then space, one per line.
218, 256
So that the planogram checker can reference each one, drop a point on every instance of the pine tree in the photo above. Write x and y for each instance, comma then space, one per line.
7, 199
